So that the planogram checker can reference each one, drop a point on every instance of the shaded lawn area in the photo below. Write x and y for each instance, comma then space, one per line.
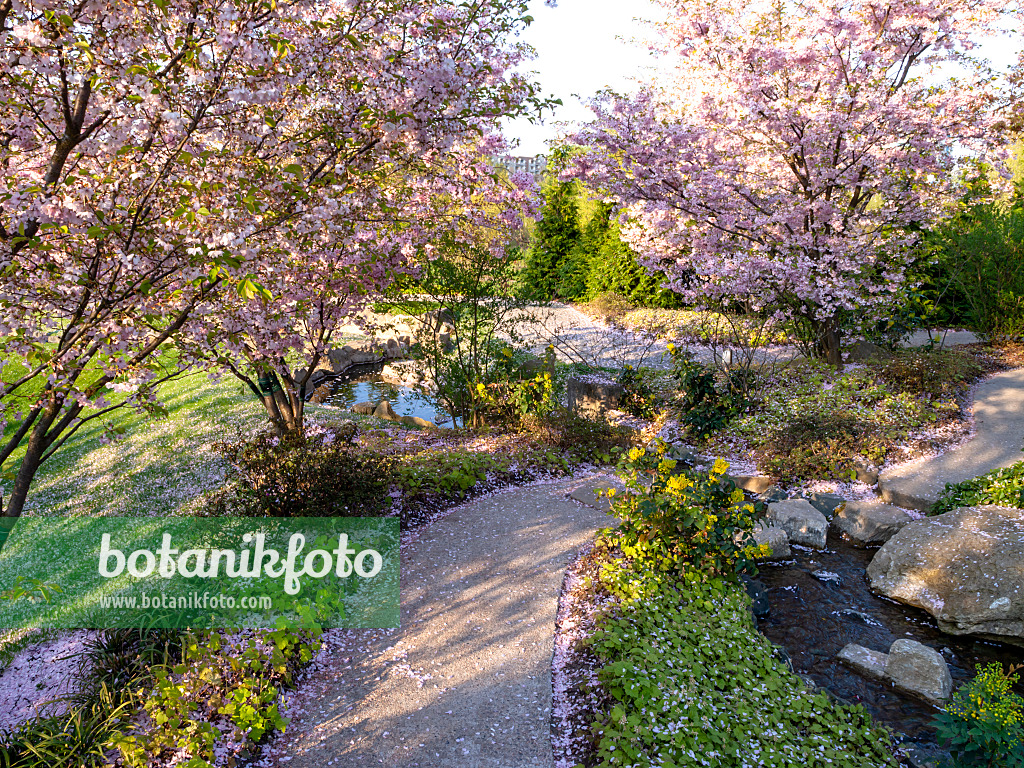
159, 465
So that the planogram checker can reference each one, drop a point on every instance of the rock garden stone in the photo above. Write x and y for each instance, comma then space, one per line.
802, 523
752, 483
365, 409
870, 523
866, 661
593, 398
965, 568
917, 669
320, 394
912, 667
362, 354
775, 493
587, 493
416, 421
865, 473
866, 352
828, 577
826, 503
340, 361
437, 319
775, 538
385, 411
760, 606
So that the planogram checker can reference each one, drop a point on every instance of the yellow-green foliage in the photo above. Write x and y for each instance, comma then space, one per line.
984, 724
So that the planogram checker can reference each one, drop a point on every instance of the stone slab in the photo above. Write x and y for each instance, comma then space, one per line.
866, 661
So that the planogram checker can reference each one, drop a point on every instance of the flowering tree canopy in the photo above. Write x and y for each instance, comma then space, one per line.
164, 164
788, 159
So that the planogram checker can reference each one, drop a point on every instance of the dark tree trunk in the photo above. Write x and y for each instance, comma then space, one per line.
38, 442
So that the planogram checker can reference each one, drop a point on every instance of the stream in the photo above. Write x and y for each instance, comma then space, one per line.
364, 383
812, 620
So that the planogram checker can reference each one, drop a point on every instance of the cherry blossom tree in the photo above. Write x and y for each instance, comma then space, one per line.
274, 339
165, 162
796, 147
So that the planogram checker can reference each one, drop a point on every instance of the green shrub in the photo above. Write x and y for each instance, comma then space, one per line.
576, 437
637, 396
705, 405
692, 682
983, 726
980, 269
695, 524
234, 680
1002, 487
610, 305
305, 477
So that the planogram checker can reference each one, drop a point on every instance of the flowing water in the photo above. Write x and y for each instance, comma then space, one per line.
813, 619
364, 383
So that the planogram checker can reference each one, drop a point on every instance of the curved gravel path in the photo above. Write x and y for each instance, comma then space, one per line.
997, 442
466, 681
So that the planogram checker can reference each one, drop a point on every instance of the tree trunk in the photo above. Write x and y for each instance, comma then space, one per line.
30, 462
829, 344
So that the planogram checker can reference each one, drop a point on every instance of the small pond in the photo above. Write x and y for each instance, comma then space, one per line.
364, 383
813, 619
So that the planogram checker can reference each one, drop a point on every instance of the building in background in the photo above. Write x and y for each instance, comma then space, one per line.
534, 165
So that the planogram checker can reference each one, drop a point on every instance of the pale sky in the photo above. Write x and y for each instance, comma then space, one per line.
584, 46
579, 52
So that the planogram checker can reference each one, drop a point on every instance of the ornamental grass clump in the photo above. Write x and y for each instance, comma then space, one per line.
983, 727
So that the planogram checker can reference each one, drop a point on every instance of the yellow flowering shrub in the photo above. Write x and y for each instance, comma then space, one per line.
984, 723
696, 524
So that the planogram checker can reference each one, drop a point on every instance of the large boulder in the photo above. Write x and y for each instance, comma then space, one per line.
870, 523
965, 568
362, 353
802, 523
752, 483
592, 397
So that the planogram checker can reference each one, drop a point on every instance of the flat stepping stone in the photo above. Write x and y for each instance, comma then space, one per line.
466, 681
999, 423
870, 523
586, 493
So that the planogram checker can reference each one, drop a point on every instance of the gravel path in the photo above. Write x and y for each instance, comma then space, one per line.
998, 440
466, 681
579, 338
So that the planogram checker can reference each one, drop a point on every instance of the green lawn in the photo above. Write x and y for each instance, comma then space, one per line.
159, 466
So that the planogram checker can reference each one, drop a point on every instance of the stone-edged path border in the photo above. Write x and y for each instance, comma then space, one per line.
466, 681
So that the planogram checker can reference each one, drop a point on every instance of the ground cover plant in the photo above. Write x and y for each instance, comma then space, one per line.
686, 677
1002, 487
809, 421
